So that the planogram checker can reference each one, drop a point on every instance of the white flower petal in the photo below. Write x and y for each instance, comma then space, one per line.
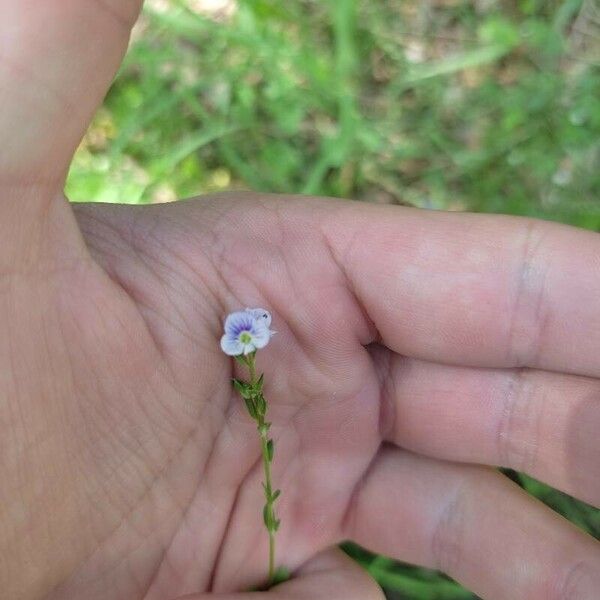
231, 346
260, 314
260, 335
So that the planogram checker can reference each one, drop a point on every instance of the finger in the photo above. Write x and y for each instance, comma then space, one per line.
541, 423
475, 525
57, 60
329, 576
473, 289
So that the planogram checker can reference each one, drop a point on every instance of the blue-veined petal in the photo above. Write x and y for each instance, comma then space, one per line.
238, 321
231, 345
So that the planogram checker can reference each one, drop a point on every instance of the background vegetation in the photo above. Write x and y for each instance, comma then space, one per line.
486, 105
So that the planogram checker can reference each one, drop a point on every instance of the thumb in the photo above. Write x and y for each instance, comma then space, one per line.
58, 58
331, 575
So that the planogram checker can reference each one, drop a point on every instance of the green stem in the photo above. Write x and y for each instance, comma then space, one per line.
269, 499
251, 368
264, 441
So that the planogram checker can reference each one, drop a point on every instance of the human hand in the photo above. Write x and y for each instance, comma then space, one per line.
413, 348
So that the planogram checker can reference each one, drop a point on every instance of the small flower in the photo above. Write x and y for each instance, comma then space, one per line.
246, 331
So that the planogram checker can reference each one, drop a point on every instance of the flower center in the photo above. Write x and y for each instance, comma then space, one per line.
245, 337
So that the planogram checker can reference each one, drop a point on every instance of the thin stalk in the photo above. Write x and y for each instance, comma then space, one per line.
269, 499
263, 430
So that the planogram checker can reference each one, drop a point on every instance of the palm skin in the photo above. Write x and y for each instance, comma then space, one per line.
129, 468
187, 469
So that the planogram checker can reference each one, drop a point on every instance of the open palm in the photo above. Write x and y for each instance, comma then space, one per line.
130, 469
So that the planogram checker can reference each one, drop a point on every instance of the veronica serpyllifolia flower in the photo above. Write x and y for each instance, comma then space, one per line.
246, 331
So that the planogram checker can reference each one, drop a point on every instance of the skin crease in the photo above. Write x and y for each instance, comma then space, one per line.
412, 349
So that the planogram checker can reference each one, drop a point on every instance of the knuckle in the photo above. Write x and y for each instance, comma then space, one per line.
528, 311
448, 537
520, 421
582, 446
579, 581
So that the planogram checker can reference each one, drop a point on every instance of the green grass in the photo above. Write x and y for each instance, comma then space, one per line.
442, 104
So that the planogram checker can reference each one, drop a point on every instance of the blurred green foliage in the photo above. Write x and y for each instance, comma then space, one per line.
446, 104
485, 105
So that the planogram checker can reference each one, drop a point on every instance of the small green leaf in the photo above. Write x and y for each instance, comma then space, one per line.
243, 388
259, 383
270, 448
267, 517
251, 408
276, 524
241, 359
275, 495
261, 404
